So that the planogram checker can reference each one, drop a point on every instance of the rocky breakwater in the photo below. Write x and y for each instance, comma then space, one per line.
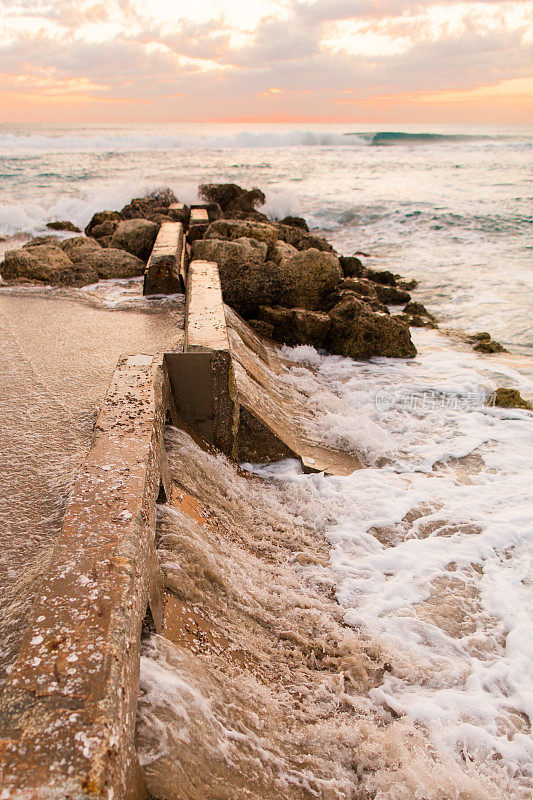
292, 287
288, 282
117, 244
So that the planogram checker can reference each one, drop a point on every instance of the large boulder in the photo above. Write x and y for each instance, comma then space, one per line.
99, 218
231, 198
238, 228
358, 332
247, 280
382, 276
105, 262
391, 296
152, 206
351, 266
136, 236
77, 245
282, 250
295, 222
44, 263
360, 286
294, 326
308, 278
309, 240
302, 240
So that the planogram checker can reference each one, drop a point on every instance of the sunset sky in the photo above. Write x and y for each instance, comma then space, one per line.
266, 60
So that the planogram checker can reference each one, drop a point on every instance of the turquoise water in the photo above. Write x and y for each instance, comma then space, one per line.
449, 205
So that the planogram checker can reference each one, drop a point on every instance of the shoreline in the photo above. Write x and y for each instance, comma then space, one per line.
333, 624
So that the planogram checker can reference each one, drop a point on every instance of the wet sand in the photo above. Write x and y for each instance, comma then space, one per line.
58, 350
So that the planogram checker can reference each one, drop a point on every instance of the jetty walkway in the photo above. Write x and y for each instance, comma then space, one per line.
68, 711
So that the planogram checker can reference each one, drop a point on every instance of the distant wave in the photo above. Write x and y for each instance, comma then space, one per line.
114, 142
399, 137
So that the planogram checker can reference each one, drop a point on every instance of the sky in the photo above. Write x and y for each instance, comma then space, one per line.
266, 60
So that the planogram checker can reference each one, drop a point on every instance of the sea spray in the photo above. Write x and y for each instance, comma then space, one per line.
386, 650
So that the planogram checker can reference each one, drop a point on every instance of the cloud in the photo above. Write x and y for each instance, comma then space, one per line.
321, 58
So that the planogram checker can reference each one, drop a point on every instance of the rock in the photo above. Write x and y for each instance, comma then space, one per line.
262, 328
282, 250
295, 222
358, 332
252, 215
308, 241
136, 236
340, 294
419, 310
62, 225
391, 296
42, 263
360, 286
509, 398
289, 234
151, 206
489, 347
105, 229
302, 240
73, 247
483, 343
238, 229
294, 326
382, 276
106, 262
308, 278
416, 321
407, 285
213, 211
99, 218
351, 266
53, 240
179, 212
232, 198
247, 280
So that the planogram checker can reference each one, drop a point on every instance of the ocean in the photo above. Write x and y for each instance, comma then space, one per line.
413, 575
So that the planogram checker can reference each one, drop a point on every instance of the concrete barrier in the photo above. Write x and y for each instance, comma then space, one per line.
198, 223
235, 397
205, 321
165, 273
202, 378
67, 716
275, 420
179, 212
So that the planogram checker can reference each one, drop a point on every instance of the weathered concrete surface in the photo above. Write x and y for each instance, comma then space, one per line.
205, 323
179, 212
203, 388
198, 224
67, 716
278, 422
202, 378
236, 400
162, 274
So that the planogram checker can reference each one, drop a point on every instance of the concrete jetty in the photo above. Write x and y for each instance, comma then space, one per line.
165, 271
67, 716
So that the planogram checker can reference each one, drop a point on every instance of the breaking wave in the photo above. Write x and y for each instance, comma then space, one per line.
116, 141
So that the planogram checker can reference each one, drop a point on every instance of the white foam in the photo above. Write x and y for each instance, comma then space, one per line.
448, 594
